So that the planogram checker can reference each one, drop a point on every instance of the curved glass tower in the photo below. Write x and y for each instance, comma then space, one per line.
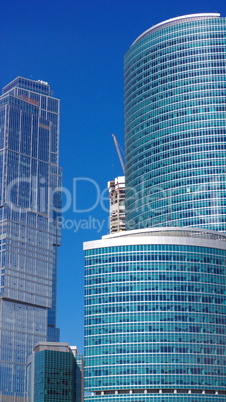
155, 301
175, 96
155, 309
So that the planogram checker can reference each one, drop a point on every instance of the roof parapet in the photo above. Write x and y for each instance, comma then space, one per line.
176, 20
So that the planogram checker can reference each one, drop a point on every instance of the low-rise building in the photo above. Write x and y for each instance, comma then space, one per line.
55, 373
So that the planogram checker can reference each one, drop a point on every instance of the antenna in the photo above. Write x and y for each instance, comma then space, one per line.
118, 152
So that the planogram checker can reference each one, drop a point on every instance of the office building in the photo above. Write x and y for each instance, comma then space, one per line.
116, 190
30, 175
155, 300
175, 80
55, 373
155, 316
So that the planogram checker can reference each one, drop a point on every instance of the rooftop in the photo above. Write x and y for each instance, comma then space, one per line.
162, 235
39, 86
176, 20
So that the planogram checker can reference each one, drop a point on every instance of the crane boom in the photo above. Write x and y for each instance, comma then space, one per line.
118, 152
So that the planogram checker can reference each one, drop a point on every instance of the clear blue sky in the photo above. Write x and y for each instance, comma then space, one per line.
78, 47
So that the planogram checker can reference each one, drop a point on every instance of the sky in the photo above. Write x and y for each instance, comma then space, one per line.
78, 46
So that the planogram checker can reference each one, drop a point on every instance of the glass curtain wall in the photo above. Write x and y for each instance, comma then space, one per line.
29, 237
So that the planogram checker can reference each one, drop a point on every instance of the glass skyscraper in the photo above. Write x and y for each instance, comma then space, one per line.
30, 178
155, 309
155, 296
175, 135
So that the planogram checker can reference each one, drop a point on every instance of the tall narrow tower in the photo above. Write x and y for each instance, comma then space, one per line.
29, 205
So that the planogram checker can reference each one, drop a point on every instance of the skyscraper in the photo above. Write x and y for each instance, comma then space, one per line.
155, 296
155, 316
175, 80
30, 201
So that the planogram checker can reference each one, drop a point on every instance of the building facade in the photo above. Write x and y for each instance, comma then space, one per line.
55, 373
155, 297
155, 312
29, 206
175, 143
116, 190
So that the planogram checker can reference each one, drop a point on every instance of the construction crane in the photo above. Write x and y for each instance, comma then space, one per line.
118, 152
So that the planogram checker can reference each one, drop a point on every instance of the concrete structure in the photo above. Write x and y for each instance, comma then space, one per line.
117, 204
29, 236
55, 373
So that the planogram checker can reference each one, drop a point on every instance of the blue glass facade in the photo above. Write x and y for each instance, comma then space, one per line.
29, 237
175, 95
55, 373
155, 298
155, 312
54, 377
